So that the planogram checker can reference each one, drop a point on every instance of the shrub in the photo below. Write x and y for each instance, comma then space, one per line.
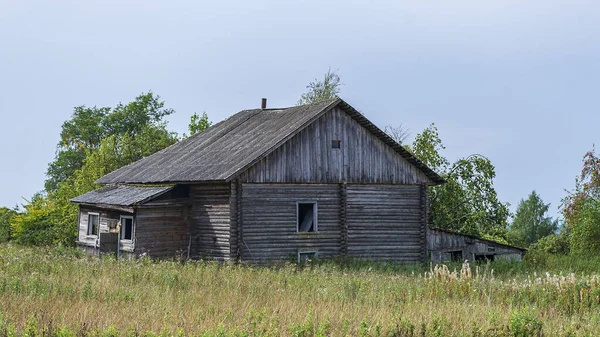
553, 244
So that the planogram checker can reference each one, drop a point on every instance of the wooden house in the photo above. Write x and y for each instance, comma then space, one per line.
270, 184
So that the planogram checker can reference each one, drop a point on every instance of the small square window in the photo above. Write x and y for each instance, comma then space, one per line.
93, 223
336, 144
307, 217
306, 256
126, 228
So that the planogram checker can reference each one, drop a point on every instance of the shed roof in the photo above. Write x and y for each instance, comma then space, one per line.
442, 230
121, 195
228, 148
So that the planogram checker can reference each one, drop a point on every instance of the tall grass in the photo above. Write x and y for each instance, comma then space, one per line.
60, 292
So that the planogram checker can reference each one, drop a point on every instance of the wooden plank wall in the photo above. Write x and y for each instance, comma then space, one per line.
270, 226
309, 158
385, 222
106, 216
162, 231
440, 243
210, 221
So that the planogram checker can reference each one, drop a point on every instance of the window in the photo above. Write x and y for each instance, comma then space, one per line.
336, 144
126, 228
307, 217
306, 256
93, 223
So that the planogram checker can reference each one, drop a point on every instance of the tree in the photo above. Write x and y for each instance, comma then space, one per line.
581, 208
397, 133
467, 202
323, 90
531, 222
88, 126
198, 123
127, 133
6, 215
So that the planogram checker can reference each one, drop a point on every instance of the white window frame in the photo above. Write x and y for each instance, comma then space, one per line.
122, 230
90, 214
315, 214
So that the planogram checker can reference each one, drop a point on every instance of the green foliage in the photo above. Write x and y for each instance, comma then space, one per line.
585, 233
325, 89
427, 146
88, 126
552, 244
45, 221
523, 323
198, 123
581, 208
96, 142
467, 202
6, 216
531, 223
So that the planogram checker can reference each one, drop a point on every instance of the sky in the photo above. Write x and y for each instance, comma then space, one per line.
515, 81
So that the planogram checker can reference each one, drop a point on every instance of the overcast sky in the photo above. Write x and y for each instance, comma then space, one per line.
516, 81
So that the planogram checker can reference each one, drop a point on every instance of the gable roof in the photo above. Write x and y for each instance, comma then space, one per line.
121, 195
228, 148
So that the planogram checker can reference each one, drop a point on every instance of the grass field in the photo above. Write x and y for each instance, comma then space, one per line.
60, 292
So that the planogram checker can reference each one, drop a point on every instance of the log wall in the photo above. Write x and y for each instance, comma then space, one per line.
269, 221
162, 231
385, 222
210, 221
308, 157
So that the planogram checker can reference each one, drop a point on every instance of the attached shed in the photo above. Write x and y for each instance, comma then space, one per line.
444, 246
274, 184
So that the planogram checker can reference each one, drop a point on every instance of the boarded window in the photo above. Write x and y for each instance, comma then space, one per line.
307, 217
336, 144
93, 223
126, 228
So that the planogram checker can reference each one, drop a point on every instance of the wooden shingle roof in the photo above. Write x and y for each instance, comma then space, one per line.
228, 148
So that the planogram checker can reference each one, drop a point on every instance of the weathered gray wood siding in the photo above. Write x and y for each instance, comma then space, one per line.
210, 221
162, 231
106, 216
270, 226
442, 245
384, 222
308, 157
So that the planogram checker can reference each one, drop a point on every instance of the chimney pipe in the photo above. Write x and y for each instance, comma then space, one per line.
263, 104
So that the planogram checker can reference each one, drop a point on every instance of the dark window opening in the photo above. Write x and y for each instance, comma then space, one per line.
456, 256
307, 217
336, 144
93, 224
484, 258
126, 228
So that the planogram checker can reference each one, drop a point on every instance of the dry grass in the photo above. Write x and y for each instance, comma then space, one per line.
52, 288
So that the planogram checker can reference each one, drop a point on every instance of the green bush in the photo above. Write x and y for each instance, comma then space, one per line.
5, 217
553, 244
585, 233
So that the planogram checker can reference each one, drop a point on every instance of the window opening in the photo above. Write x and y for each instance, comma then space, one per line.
307, 217
93, 223
126, 228
306, 256
336, 144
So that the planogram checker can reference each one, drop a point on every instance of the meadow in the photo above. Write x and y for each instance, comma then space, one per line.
61, 292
